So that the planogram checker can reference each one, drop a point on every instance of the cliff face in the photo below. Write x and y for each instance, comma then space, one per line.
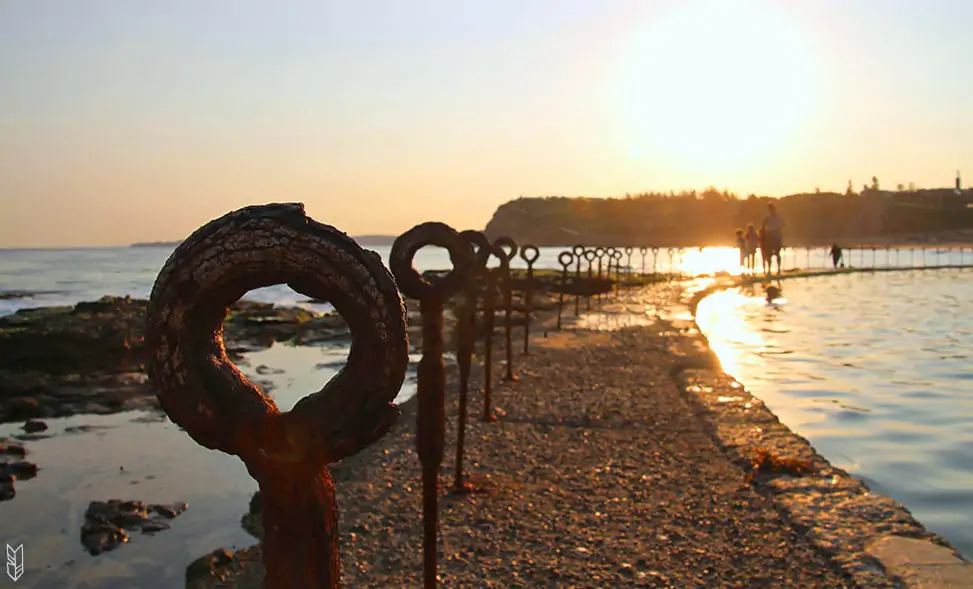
711, 217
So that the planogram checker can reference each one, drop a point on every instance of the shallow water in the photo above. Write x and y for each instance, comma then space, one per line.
874, 370
144, 456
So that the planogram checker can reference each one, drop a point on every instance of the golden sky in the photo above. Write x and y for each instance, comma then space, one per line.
124, 121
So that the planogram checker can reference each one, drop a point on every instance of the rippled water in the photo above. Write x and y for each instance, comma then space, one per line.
874, 369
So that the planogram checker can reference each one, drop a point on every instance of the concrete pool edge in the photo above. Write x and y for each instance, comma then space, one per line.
870, 537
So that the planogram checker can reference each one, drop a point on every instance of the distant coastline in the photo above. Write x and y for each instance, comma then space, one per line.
372, 240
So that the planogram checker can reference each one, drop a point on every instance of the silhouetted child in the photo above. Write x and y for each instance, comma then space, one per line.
742, 246
836, 255
753, 243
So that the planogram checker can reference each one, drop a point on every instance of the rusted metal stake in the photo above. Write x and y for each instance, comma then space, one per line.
578, 252
643, 250
565, 258
489, 318
655, 260
600, 252
206, 395
590, 256
529, 253
508, 302
430, 390
628, 265
617, 257
465, 344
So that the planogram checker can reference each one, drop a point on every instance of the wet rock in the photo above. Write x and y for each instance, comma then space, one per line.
106, 522
206, 566
21, 469
33, 426
12, 449
7, 491
19, 408
252, 521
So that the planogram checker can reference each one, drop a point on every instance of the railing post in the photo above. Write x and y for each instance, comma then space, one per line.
600, 252
617, 256
565, 258
431, 413
578, 252
201, 390
628, 265
530, 258
508, 301
465, 345
643, 250
489, 312
589, 256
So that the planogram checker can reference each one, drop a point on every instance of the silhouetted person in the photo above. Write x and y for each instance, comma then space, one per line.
753, 244
742, 246
773, 232
836, 255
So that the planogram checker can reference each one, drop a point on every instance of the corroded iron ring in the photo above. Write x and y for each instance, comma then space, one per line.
578, 250
205, 394
529, 253
502, 242
655, 250
565, 259
404, 249
482, 246
600, 252
671, 251
590, 255
616, 255
643, 250
629, 250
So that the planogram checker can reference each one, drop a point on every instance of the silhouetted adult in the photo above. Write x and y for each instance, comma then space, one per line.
773, 233
836, 255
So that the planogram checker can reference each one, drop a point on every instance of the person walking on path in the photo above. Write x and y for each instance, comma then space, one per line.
773, 228
753, 243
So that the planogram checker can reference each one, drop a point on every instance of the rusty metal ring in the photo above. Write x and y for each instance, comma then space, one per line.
616, 255
204, 393
643, 250
655, 250
629, 250
530, 259
404, 249
578, 250
500, 242
565, 259
590, 255
482, 246
671, 251
599, 252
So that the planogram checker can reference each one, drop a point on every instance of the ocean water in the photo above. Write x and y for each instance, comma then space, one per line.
138, 456
875, 371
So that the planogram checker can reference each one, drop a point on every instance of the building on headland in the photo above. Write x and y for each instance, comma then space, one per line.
936, 198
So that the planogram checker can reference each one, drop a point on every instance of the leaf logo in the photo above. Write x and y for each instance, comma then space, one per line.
15, 561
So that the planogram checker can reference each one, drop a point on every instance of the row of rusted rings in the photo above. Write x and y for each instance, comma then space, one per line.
288, 452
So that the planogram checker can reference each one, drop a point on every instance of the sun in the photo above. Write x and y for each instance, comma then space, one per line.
716, 82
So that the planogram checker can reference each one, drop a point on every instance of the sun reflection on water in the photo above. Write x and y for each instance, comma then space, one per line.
711, 260
727, 328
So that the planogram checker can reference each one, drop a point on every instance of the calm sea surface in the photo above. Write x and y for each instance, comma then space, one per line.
875, 370
871, 368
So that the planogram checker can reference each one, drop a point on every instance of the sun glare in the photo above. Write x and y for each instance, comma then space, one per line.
716, 82
711, 260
